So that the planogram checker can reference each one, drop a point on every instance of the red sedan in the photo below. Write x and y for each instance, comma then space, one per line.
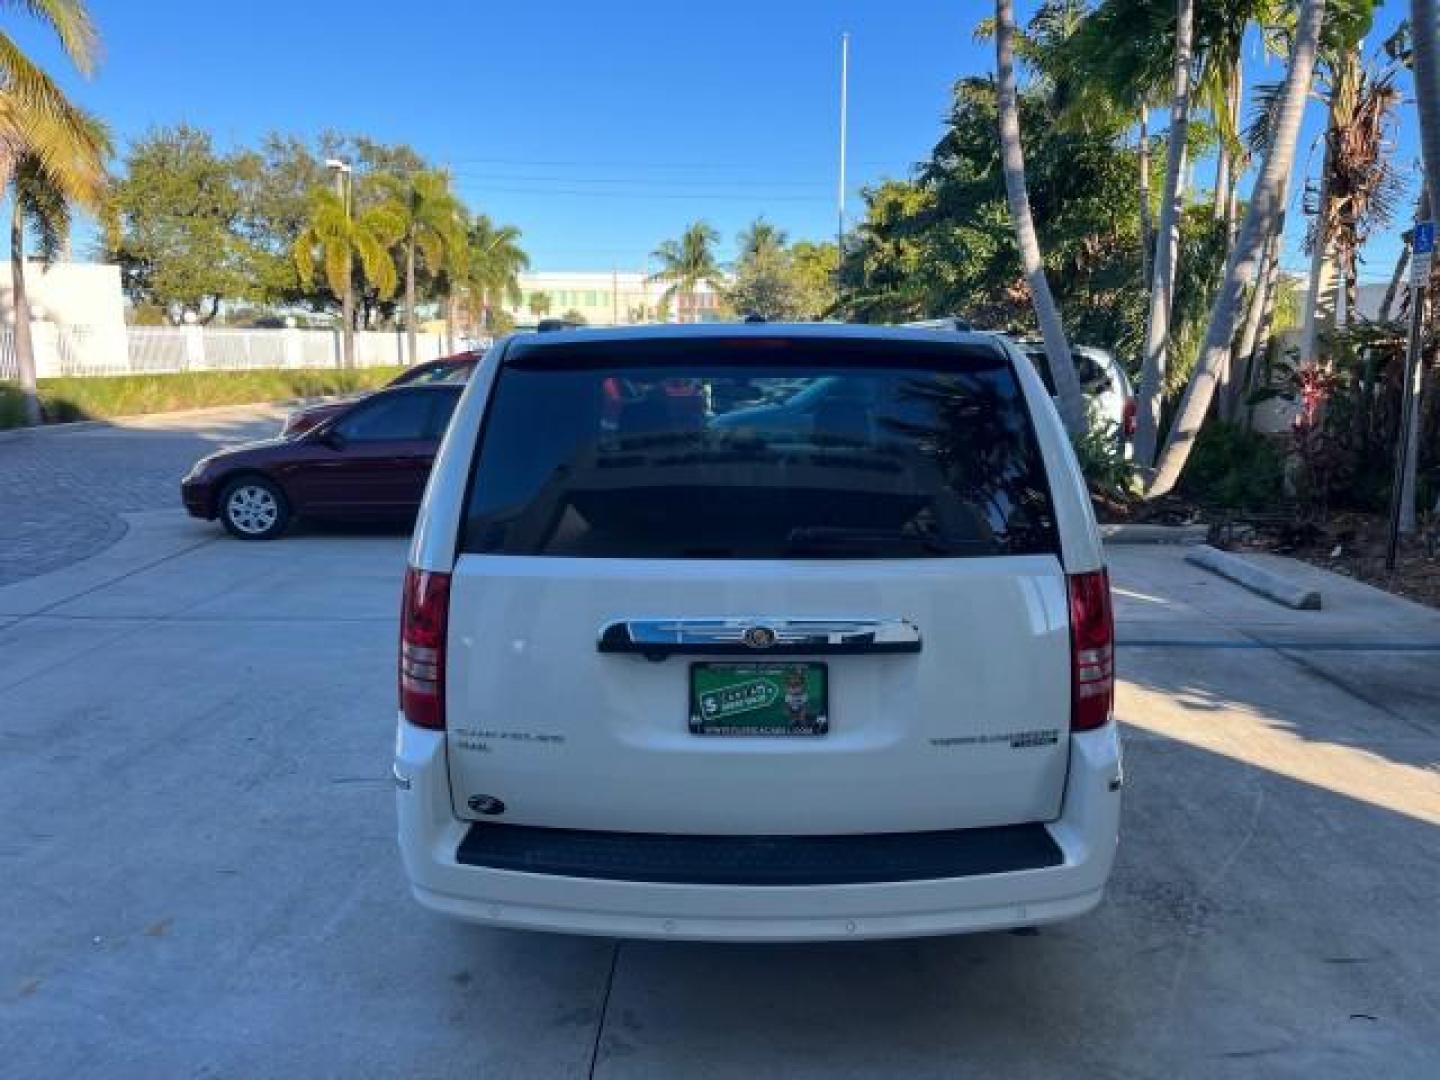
455, 368
367, 462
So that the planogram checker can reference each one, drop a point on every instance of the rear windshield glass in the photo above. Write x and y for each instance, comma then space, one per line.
759, 450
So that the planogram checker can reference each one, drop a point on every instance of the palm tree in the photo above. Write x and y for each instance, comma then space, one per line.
494, 261
761, 238
337, 240
1265, 204
688, 262
539, 304
431, 216
1012, 159
52, 155
1167, 244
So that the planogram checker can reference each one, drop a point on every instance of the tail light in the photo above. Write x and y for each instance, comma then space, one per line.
1092, 651
423, 617
1127, 418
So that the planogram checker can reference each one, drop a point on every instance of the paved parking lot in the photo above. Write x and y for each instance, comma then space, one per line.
63, 493
201, 879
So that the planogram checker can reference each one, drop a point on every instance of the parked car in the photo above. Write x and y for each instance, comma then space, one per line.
454, 369
367, 462
1103, 381
667, 675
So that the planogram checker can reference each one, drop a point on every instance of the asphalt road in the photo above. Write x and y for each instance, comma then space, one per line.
200, 876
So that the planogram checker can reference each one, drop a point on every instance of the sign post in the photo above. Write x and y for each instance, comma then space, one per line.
1422, 252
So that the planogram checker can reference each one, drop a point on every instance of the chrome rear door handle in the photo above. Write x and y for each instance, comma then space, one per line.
758, 636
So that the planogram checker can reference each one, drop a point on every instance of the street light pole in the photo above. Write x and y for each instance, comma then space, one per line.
342, 172
844, 125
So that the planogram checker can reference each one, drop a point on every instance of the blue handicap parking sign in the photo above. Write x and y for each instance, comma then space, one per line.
1424, 242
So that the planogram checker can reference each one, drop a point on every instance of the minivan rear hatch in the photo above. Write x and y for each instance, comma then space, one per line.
758, 585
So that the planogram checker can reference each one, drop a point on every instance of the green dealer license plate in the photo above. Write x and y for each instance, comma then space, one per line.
759, 699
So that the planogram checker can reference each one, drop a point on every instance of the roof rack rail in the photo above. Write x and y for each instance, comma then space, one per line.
549, 326
945, 322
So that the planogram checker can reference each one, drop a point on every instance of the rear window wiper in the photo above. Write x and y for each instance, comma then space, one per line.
839, 538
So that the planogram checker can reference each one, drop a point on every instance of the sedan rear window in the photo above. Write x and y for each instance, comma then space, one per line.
758, 449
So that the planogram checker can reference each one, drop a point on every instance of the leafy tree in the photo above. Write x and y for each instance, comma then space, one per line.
339, 239
573, 316
815, 267
52, 154
275, 182
173, 225
539, 304
689, 262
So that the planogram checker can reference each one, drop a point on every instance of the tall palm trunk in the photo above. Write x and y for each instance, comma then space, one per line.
1147, 223
411, 345
1167, 244
1266, 201
1012, 157
1234, 98
1239, 369
1319, 311
20, 305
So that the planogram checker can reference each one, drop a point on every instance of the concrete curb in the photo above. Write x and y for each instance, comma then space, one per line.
1154, 534
178, 414
1257, 579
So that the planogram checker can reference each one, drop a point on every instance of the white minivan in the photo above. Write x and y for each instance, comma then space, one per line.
843, 669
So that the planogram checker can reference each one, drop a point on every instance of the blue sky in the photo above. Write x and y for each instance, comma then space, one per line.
599, 129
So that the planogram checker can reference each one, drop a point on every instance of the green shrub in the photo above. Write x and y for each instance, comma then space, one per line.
1234, 468
99, 398
1102, 460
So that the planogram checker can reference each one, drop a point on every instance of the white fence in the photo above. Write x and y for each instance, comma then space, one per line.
85, 350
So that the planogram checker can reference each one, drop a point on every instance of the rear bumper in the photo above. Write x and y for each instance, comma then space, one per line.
430, 836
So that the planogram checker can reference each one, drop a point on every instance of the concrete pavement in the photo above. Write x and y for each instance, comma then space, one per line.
200, 875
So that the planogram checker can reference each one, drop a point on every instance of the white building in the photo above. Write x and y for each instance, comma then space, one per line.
76, 310
609, 298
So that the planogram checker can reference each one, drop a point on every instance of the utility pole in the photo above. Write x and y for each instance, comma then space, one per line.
844, 123
342, 172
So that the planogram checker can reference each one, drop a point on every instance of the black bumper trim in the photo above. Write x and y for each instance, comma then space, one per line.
663, 858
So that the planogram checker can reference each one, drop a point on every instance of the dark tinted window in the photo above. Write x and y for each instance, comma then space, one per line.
388, 418
815, 449
1094, 379
442, 408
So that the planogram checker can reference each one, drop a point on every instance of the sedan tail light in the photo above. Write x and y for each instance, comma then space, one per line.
424, 615
1127, 418
1092, 651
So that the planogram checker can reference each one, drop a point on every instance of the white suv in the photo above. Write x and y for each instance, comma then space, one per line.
844, 671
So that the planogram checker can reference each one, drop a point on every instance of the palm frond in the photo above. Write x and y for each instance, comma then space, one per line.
71, 23
44, 206
1265, 107
375, 260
